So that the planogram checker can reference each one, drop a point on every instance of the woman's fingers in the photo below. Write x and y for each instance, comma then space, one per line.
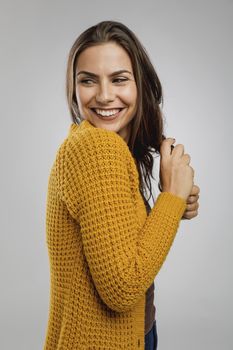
192, 199
195, 190
190, 214
192, 206
165, 148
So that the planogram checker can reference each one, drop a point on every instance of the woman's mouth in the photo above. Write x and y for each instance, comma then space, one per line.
107, 114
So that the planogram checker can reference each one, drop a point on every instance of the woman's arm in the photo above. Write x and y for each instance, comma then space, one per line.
98, 181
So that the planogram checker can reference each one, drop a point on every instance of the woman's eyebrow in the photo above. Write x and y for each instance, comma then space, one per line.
112, 74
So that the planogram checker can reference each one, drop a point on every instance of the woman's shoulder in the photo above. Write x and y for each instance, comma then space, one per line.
87, 149
90, 147
87, 133
84, 139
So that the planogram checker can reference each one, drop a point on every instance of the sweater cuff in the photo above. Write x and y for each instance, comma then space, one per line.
171, 204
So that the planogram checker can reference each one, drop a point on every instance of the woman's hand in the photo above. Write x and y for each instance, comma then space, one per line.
192, 204
176, 175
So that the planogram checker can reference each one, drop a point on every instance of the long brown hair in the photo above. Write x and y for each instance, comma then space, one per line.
147, 125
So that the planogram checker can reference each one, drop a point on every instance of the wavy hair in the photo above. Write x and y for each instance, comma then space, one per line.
147, 125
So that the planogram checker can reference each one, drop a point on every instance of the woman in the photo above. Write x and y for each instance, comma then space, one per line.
105, 244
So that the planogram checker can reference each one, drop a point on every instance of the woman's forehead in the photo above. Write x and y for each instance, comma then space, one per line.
108, 57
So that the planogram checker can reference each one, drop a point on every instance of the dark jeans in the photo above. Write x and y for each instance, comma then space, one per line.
151, 338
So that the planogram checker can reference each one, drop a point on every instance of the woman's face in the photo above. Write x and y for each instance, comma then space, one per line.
105, 88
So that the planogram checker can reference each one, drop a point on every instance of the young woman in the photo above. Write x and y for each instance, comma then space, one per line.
105, 244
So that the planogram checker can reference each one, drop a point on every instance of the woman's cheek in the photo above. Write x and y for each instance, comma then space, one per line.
130, 93
84, 95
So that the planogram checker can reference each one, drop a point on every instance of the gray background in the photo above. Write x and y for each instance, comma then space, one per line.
190, 44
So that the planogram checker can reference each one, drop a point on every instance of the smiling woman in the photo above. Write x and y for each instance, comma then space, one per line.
105, 244
106, 90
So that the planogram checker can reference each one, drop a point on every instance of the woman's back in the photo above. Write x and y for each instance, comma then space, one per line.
104, 251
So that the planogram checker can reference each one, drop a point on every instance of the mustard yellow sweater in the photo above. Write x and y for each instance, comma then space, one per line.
104, 250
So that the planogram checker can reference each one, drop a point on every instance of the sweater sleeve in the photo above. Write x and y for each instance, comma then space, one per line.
99, 184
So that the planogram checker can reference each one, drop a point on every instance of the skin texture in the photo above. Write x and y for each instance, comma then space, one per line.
106, 91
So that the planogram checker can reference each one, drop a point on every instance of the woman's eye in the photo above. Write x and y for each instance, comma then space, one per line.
116, 80
86, 81
120, 80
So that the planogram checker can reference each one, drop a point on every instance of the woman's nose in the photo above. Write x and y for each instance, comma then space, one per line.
104, 94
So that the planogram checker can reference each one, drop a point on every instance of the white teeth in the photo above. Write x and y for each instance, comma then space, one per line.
106, 113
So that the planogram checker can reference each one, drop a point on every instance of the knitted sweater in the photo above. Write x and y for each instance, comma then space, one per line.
150, 309
104, 250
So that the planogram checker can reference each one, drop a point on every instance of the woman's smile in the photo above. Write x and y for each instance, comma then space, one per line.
108, 114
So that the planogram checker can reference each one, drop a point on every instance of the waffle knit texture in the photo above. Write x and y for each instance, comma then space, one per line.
104, 249
150, 309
